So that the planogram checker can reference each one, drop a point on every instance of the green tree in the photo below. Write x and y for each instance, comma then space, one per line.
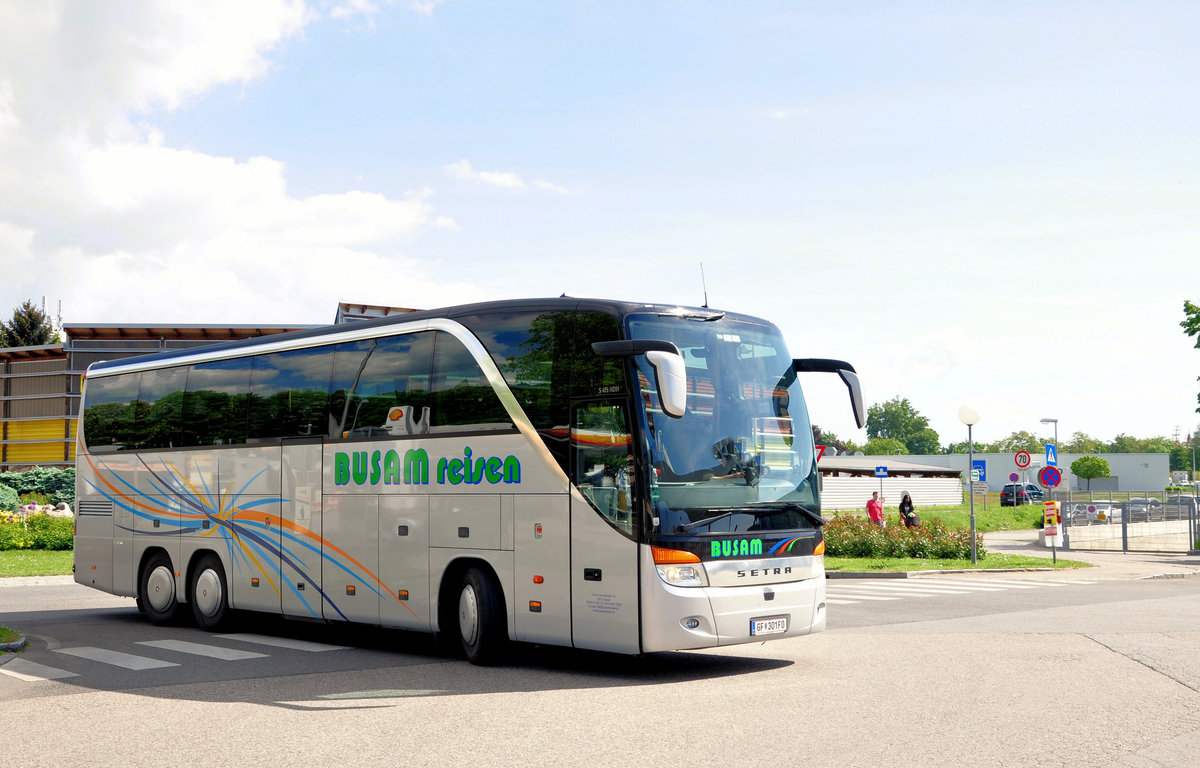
1191, 327
884, 446
1081, 442
1088, 467
1018, 441
29, 327
898, 420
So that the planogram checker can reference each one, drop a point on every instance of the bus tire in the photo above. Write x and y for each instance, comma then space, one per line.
156, 590
209, 594
482, 625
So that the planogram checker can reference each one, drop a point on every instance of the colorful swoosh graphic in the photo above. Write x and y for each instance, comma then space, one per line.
787, 544
243, 527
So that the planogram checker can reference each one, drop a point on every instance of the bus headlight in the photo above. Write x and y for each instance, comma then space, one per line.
679, 568
682, 575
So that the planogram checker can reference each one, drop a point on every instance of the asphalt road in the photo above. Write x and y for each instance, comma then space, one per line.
988, 669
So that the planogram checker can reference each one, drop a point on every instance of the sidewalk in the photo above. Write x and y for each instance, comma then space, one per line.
1111, 565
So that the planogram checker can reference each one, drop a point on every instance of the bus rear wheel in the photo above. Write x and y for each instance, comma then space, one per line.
482, 625
156, 590
209, 594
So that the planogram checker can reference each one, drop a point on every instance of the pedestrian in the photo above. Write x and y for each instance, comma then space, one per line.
908, 515
875, 509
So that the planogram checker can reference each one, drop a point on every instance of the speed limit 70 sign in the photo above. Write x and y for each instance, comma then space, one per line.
1023, 460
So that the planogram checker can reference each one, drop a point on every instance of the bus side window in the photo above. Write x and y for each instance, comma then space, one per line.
461, 395
161, 397
289, 393
603, 459
215, 403
108, 420
390, 394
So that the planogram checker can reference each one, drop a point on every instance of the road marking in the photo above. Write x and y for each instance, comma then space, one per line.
284, 642
855, 591
32, 672
970, 588
196, 649
899, 588
869, 597
116, 658
991, 583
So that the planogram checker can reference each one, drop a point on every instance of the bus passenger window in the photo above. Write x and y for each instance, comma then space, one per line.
461, 395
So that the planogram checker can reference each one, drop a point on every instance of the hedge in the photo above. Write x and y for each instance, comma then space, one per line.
58, 484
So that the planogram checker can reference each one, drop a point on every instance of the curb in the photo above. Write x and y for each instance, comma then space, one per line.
908, 574
14, 646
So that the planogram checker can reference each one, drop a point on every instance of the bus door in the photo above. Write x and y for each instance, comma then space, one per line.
300, 534
604, 549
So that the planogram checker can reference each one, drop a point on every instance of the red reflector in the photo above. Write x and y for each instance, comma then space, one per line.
538, 580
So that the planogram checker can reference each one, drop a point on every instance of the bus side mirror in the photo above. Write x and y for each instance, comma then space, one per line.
670, 377
849, 378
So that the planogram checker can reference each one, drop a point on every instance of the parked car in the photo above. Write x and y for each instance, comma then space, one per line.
1143, 510
1092, 512
1020, 493
1180, 507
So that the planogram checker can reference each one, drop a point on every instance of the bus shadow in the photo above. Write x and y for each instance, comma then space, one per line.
371, 667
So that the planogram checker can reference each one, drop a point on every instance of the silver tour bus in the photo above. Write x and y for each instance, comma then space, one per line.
599, 474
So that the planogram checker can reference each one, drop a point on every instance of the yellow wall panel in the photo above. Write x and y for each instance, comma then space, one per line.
32, 453
37, 430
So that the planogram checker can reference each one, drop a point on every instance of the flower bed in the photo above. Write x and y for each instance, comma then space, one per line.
36, 531
855, 536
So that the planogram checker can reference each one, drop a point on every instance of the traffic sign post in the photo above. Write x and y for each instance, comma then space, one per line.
1051, 455
1050, 523
1050, 477
881, 472
1023, 459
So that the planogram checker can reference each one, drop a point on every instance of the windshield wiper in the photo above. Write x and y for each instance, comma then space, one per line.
758, 510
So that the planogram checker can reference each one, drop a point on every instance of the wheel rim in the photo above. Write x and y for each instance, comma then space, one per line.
468, 615
160, 588
208, 592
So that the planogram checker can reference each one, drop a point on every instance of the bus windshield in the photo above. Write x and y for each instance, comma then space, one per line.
741, 457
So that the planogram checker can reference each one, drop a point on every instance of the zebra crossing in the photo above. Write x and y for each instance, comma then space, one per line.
851, 591
34, 672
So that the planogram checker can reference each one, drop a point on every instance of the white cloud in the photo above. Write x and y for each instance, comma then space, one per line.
504, 179
125, 227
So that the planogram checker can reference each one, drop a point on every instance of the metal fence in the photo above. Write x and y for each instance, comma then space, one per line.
1129, 521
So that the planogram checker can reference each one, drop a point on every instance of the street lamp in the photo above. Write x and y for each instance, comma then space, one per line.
1055, 423
967, 415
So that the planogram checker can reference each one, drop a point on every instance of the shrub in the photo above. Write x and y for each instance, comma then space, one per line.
33, 497
51, 532
8, 499
855, 536
58, 484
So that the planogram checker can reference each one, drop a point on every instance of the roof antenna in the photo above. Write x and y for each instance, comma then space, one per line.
704, 284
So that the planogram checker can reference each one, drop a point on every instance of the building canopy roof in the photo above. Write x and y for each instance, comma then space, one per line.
121, 332
865, 465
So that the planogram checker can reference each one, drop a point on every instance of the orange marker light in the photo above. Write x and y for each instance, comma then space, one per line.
538, 580
820, 550
668, 556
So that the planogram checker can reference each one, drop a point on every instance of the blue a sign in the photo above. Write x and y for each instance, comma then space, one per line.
1051, 455
880, 471
979, 467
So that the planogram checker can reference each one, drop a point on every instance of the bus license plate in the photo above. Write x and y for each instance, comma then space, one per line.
772, 625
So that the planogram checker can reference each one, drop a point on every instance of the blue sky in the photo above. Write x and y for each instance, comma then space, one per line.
983, 203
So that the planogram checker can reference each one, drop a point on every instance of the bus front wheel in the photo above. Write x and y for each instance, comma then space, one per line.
209, 593
156, 590
481, 619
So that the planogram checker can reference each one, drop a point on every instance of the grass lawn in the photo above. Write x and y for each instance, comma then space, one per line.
991, 560
35, 562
